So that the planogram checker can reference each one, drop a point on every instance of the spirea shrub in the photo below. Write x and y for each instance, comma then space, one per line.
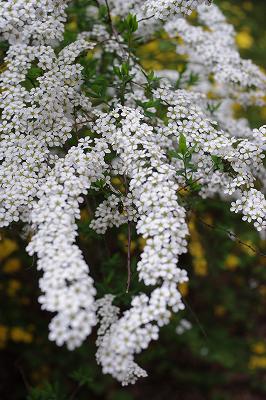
79, 111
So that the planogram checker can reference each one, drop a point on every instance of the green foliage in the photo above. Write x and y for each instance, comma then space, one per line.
47, 392
131, 23
32, 76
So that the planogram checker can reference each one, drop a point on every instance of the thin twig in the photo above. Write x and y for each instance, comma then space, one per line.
128, 246
146, 18
232, 235
128, 256
186, 187
75, 124
33, 261
109, 16
85, 122
22, 373
88, 206
75, 392
196, 318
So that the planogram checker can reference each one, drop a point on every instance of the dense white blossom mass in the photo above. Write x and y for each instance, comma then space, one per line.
48, 165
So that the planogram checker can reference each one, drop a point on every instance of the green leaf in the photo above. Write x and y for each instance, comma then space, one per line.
125, 69
218, 163
182, 145
47, 392
34, 72
131, 23
102, 11
83, 376
174, 154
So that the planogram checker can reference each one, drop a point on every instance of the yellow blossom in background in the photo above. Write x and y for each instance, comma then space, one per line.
208, 219
231, 262
237, 109
170, 56
259, 359
220, 311
233, 8
24, 300
133, 246
7, 247
263, 112
90, 54
256, 362
150, 47
13, 287
259, 348
123, 239
244, 40
262, 290
200, 266
72, 26
12, 265
152, 64
247, 5
196, 250
116, 181
262, 260
212, 95
247, 246
119, 184
3, 336
18, 334
183, 289
141, 243
152, 58
84, 214
183, 192
41, 374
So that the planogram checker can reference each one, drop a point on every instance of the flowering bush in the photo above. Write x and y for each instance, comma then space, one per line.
81, 119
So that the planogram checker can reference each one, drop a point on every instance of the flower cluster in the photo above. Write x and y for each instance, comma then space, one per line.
39, 21
68, 289
35, 121
163, 9
253, 206
187, 117
212, 49
133, 331
66, 130
260, 136
155, 9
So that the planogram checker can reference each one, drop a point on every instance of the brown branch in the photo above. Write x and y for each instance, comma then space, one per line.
186, 187
128, 256
146, 18
232, 236
194, 315
22, 373
75, 124
128, 246
109, 16
75, 392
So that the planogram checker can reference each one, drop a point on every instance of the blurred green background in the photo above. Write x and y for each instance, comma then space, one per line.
221, 357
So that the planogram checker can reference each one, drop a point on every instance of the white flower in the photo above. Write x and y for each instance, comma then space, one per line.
44, 179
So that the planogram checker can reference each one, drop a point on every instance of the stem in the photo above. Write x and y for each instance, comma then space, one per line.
128, 256
75, 124
146, 18
109, 16
22, 373
128, 246
231, 235
75, 392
